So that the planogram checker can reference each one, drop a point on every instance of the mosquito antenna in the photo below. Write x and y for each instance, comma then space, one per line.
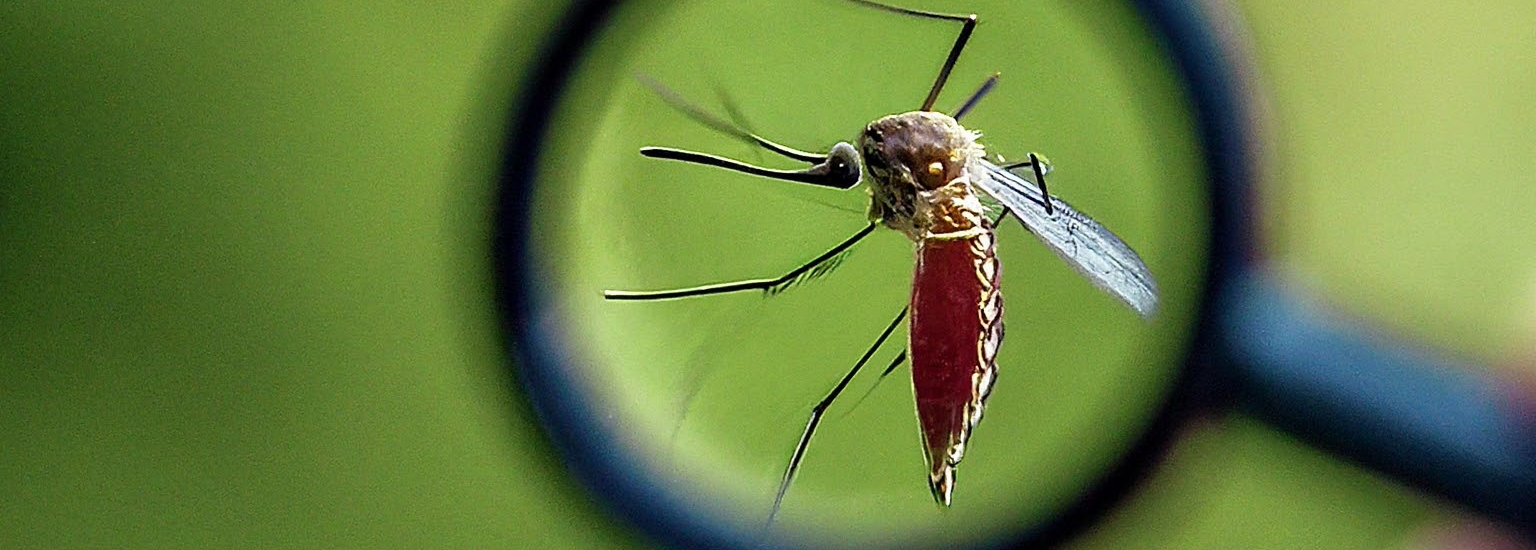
954, 51
821, 408
733, 109
751, 284
714, 122
976, 96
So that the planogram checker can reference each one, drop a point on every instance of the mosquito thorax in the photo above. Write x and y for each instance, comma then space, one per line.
919, 164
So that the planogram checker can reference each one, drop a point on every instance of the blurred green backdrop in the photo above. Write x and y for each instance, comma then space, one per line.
243, 255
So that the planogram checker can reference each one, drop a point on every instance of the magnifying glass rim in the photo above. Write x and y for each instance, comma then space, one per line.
546, 366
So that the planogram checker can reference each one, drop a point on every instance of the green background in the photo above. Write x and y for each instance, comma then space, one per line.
243, 254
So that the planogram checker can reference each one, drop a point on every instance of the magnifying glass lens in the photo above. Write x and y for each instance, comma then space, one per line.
686, 411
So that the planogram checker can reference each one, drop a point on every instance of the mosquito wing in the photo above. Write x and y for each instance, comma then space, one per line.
1088, 246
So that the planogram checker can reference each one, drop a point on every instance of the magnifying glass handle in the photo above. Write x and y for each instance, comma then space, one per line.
1425, 417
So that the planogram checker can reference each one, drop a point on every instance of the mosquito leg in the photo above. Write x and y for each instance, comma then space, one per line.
975, 97
900, 358
895, 362
1000, 217
821, 408
1040, 167
954, 51
769, 285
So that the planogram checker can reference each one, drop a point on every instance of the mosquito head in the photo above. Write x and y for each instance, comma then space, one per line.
921, 149
913, 153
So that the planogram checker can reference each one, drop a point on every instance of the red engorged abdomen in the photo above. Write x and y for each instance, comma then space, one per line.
955, 330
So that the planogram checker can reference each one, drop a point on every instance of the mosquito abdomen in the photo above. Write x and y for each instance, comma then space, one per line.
956, 330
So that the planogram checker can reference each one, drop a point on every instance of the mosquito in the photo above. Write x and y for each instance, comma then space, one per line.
927, 177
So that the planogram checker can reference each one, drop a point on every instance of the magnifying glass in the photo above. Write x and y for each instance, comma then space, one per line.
683, 413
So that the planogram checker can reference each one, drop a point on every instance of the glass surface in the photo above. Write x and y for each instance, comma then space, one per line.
709, 394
